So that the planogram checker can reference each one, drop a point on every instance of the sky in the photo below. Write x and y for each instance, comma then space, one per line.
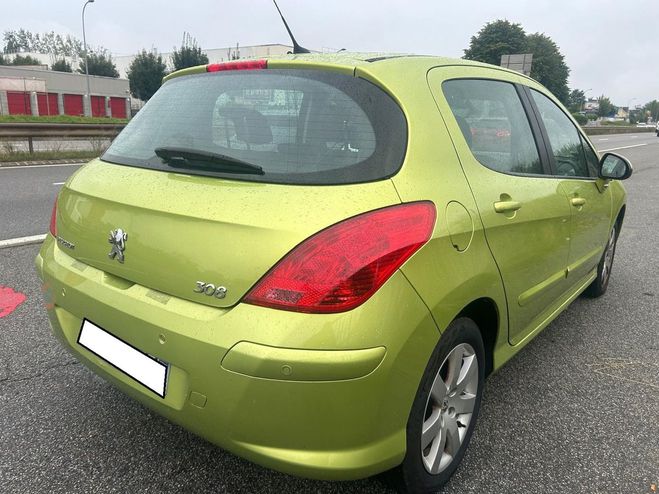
610, 45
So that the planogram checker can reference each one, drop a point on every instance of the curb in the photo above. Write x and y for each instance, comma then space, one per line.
10, 164
17, 242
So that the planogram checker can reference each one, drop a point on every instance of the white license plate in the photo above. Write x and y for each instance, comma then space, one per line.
136, 364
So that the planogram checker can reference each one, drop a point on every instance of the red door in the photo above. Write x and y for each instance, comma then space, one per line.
73, 104
19, 103
98, 106
47, 104
118, 107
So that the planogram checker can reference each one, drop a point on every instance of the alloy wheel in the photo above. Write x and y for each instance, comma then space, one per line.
449, 408
608, 257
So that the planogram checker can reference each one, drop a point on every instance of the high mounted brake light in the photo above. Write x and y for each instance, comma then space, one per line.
342, 266
237, 65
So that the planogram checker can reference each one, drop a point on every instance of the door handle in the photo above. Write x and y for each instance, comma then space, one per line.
577, 201
507, 206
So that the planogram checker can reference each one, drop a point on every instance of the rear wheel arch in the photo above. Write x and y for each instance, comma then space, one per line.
485, 313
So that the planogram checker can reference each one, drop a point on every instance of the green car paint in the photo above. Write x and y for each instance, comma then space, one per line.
319, 395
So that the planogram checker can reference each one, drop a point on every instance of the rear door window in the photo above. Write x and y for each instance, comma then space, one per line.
301, 127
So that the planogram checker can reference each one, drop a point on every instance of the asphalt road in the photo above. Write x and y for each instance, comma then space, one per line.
620, 142
27, 195
576, 411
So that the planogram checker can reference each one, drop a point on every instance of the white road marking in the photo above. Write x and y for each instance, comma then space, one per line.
605, 139
59, 183
623, 147
15, 242
27, 167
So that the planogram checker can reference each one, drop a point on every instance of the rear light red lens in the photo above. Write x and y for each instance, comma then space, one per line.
53, 220
342, 266
237, 65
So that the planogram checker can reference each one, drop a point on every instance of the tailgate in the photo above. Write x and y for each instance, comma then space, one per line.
181, 229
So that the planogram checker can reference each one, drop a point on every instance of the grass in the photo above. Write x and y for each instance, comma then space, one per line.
67, 119
46, 155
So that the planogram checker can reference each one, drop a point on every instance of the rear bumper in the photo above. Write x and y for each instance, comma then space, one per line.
320, 396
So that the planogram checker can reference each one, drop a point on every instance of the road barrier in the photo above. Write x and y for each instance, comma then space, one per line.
615, 129
32, 131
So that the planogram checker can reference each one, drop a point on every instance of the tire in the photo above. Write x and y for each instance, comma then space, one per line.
432, 458
599, 285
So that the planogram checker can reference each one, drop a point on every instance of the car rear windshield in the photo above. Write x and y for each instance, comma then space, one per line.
296, 126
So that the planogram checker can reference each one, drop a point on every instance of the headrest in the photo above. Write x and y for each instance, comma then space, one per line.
251, 126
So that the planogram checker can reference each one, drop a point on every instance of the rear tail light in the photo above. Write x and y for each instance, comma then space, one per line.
237, 65
53, 220
342, 266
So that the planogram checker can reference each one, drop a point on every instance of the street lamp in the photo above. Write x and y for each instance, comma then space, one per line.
84, 44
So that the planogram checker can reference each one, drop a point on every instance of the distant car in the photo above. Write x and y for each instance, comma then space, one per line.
657, 129
315, 261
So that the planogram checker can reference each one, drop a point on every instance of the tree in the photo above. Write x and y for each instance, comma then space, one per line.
3, 61
653, 109
25, 60
634, 116
575, 100
100, 63
61, 65
548, 67
502, 37
15, 41
188, 55
145, 74
47, 43
606, 108
496, 38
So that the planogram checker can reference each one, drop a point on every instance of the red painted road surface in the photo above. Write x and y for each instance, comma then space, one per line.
9, 300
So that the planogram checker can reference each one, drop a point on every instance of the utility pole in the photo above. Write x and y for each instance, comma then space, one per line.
84, 42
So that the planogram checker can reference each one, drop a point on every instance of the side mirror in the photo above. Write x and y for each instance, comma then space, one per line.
615, 167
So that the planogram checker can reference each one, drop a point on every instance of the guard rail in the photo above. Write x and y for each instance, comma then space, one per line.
31, 131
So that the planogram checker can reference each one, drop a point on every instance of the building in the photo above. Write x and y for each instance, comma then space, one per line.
34, 90
622, 113
592, 105
215, 55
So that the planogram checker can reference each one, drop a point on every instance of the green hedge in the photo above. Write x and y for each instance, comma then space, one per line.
581, 119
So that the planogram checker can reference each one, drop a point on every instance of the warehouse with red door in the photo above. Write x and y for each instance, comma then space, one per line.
37, 91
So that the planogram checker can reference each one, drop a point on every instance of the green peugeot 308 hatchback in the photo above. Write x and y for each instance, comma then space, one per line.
314, 261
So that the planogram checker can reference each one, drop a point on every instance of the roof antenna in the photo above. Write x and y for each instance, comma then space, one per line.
296, 48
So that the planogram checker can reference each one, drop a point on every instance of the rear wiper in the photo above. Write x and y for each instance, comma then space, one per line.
191, 158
